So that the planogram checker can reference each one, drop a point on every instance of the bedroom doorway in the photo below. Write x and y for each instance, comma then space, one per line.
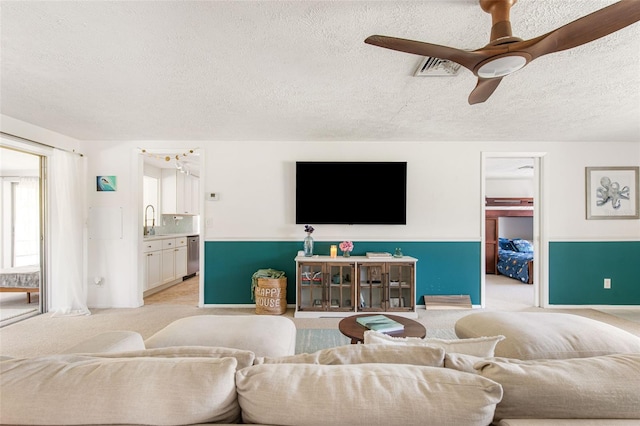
511, 194
21, 249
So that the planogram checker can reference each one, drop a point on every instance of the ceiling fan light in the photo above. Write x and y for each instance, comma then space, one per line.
501, 66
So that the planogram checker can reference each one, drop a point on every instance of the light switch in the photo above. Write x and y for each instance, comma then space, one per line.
213, 196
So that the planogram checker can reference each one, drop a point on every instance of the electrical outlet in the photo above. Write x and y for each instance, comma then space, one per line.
607, 283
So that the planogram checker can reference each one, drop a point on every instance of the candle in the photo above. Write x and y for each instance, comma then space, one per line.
334, 251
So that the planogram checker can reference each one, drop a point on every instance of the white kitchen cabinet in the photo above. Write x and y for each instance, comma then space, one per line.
165, 262
168, 260
153, 263
180, 261
174, 259
179, 193
180, 257
195, 193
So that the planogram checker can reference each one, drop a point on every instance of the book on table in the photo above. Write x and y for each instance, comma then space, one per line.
381, 323
377, 255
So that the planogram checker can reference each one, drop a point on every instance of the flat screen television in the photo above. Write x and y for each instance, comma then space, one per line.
351, 192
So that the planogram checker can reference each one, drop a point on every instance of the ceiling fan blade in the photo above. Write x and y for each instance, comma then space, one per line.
465, 58
484, 89
583, 30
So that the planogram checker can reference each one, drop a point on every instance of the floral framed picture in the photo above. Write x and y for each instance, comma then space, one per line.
612, 193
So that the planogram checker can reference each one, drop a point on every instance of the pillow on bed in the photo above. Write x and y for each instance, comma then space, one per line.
523, 246
506, 244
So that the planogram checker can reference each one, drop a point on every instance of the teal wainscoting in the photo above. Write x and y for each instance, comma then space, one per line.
443, 268
577, 271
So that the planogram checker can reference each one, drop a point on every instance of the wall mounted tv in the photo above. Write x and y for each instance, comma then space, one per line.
351, 193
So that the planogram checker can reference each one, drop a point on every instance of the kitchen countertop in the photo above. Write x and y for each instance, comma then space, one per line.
164, 236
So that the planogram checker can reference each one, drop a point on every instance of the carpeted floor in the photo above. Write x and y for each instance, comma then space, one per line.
44, 334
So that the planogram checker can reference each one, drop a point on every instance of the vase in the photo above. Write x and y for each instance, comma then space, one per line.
308, 246
346, 253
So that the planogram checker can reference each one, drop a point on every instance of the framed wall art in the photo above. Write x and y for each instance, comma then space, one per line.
106, 183
612, 193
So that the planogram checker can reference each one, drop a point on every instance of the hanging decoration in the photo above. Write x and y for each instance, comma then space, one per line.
180, 159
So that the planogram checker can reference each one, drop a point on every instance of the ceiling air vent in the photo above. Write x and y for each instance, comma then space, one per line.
437, 67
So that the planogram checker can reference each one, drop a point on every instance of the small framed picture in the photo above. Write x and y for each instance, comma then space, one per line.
612, 193
106, 183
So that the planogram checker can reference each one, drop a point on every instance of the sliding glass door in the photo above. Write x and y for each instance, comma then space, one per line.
21, 234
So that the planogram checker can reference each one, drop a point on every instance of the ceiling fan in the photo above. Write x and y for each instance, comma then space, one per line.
506, 54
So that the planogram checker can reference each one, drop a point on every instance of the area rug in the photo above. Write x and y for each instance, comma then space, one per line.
309, 340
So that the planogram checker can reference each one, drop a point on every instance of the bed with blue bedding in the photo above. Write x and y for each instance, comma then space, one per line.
515, 259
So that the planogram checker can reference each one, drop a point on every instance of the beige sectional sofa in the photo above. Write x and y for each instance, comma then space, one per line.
195, 373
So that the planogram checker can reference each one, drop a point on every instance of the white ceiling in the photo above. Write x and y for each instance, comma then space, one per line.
299, 70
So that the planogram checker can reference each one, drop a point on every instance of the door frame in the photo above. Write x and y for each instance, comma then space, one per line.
138, 161
540, 241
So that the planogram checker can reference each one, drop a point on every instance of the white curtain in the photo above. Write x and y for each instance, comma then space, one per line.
27, 213
68, 288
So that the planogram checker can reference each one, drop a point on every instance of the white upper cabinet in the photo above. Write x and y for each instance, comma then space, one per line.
179, 193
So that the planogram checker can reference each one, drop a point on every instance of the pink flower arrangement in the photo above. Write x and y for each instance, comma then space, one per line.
346, 246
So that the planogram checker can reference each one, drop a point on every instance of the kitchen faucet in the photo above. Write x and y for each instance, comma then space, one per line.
153, 220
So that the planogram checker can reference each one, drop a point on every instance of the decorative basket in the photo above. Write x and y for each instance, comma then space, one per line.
271, 296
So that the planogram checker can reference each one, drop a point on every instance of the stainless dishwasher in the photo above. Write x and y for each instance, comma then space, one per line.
193, 254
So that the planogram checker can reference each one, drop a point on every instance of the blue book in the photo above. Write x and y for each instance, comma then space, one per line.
380, 323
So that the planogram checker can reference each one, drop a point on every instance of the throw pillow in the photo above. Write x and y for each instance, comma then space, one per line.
479, 346
522, 246
462, 362
506, 244
362, 354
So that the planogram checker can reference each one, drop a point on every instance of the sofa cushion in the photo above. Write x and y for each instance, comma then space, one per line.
544, 335
109, 342
567, 422
603, 387
362, 354
464, 362
365, 394
75, 389
263, 335
480, 346
244, 358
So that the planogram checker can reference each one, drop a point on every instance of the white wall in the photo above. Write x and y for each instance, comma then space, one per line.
256, 183
566, 190
516, 227
501, 187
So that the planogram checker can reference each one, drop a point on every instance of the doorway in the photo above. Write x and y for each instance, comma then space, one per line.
509, 178
170, 209
21, 234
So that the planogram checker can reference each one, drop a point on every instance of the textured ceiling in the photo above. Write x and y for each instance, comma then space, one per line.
299, 70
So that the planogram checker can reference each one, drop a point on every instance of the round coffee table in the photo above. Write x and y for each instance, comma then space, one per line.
350, 328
